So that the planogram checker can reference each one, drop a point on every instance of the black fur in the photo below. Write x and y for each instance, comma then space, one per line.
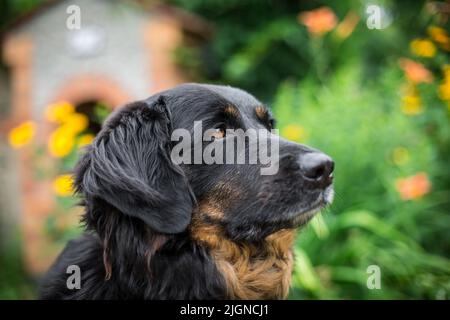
139, 204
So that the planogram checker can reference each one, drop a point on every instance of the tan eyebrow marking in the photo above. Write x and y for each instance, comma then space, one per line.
232, 111
262, 113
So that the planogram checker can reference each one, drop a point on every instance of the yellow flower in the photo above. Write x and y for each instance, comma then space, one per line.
439, 35
444, 90
444, 87
58, 112
446, 70
400, 156
63, 185
423, 48
76, 122
22, 134
85, 139
411, 105
61, 142
294, 132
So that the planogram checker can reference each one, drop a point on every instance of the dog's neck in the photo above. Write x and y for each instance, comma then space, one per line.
250, 271
141, 262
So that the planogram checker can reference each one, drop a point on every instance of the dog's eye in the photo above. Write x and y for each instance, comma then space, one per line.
219, 132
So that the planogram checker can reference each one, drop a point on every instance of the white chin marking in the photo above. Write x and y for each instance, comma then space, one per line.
328, 195
327, 198
306, 216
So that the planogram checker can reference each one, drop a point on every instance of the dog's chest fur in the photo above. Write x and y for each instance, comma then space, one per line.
250, 271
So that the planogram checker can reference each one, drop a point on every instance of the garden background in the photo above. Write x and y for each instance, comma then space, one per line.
366, 81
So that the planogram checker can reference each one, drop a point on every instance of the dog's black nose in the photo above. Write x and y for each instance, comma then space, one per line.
317, 166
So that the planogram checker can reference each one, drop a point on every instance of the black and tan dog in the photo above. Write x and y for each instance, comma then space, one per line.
158, 230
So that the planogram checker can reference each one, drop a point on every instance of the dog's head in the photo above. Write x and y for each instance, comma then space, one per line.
130, 166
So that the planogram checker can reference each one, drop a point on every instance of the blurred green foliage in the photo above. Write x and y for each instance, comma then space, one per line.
344, 95
369, 224
258, 44
11, 9
15, 283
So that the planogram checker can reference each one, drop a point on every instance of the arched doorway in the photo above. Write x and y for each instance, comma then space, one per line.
62, 221
96, 111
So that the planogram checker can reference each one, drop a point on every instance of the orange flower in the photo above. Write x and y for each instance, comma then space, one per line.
439, 35
415, 72
318, 21
413, 187
346, 27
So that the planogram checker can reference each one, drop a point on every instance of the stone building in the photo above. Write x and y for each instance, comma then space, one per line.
118, 51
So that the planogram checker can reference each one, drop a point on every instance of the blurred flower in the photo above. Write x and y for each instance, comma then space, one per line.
439, 35
444, 90
346, 27
85, 140
446, 71
76, 122
22, 134
59, 111
415, 72
318, 21
411, 105
61, 142
423, 48
444, 87
400, 156
413, 187
293, 132
63, 185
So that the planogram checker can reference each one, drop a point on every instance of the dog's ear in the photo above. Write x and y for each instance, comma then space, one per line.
129, 167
